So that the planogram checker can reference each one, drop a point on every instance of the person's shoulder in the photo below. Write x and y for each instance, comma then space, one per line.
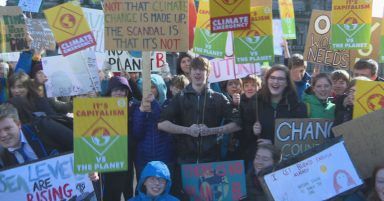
169, 198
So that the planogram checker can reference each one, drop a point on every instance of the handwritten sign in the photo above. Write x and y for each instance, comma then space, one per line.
95, 19
277, 37
41, 33
229, 15
214, 181
287, 16
101, 132
351, 24
13, 30
319, 177
256, 45
157, 25
131, 61
295, 136
70, 28
30, 5
207, 43
365, 150
76, 74
50, 179
317, 47
369, 97
227, 69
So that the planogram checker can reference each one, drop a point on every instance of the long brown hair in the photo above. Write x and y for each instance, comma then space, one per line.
374, 196
290, 89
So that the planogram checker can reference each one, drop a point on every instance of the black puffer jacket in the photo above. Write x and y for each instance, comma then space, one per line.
209, 108
288, 107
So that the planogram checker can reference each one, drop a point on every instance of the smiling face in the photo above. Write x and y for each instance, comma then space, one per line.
185, 65
198, 76
322, 89
379, 184
339, 86
250, 89
277, 82
233, 86
9, 133
18, 89
155, 186
263, 159
342, 179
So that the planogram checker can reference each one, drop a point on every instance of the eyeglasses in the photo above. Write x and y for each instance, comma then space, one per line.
279, 79
157, 180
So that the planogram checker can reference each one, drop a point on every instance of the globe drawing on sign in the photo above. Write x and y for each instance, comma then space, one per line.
229, 2
350, 24
100, 136
67, 20
375, 102
253, 40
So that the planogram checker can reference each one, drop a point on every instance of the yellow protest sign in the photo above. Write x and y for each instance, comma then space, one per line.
203, 15
229, 15
369, 97
261, 22
100, 134
287, 16
70, 28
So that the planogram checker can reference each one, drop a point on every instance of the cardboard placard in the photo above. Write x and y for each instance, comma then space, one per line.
50, 179
76, 74
12, 30
41, 34
351, 24
229, 15
214, 181
317, 47
70, 28
157, 25
369, 97
131, 61
100, 134
324, 175
364, 140
227, 69
295, 136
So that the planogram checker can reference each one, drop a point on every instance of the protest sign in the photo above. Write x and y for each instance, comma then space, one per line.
364, 141
131, 61
381, 59
41, 33
372, 51
10, 57
100, 134
317, 47
95, 19
13, 30
191, 22
214, 181
369, 97
319, 177
158, 25
30, 5
76, 74
277, 37
227, 69
287, 16
256, 45
50, 179
227, 15
295, 136
70, 28
351, 24
207, 43
377, 8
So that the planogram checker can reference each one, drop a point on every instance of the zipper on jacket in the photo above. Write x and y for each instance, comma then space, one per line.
199, 137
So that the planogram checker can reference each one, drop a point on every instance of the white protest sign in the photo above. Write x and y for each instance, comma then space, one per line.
226, 69
378, 8
131, 61
72, 75
277, 37
30, 5
51, 179
319, 177
3, 2
10, 56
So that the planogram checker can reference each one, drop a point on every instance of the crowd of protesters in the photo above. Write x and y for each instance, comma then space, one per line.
183, 120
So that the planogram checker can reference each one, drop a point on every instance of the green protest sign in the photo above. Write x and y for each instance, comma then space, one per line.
252, 49
100, 131
210, 44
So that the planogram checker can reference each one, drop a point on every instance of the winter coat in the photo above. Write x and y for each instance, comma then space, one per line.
342, 114
302, 85
156, 169
317, 109
209, 108
288, 107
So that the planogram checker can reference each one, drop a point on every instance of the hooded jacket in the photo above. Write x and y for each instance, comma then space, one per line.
317, 109
156, 169
152, 144
302, 85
